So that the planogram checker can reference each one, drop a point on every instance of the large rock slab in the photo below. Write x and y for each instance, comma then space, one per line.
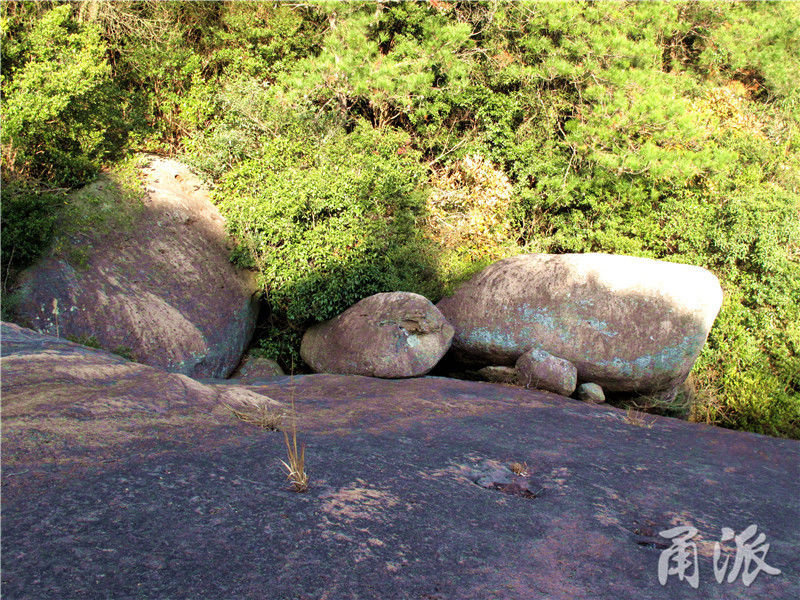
64, 403
628, 324
393, 334
161, 289
135, 490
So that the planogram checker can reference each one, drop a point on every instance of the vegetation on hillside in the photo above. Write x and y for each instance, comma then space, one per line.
370, 146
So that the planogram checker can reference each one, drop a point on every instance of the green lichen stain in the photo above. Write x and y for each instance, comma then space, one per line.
540, 315
496, 339
601, 327
664, 362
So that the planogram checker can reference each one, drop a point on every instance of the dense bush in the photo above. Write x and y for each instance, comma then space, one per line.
327, 222
61, 112
62, 118
28, 221
359, 146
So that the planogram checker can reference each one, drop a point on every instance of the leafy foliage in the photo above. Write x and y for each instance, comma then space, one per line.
327, 222
60, 109
28, 223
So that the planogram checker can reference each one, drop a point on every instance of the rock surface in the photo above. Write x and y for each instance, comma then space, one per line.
629, 324
499, 374
542, 371
590, 392
121, 481
163, 290
393, 334
65, 402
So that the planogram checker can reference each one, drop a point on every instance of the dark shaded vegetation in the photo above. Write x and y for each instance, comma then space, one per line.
365, 147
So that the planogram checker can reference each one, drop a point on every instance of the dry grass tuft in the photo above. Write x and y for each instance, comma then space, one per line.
707, 405
295, 468
519, 468
638, 418
261, 414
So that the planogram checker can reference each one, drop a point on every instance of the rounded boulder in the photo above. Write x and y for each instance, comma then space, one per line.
390, 335
156, 285
590, 392
628, 324
254, 368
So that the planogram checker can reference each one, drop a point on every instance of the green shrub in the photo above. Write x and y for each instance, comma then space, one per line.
327, 222
28, 223
61, 111
759, 45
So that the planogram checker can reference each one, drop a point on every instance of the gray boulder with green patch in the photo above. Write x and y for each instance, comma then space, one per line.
628, 324
393, 334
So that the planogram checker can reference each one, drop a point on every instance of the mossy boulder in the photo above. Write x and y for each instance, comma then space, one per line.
154, 284
628, 324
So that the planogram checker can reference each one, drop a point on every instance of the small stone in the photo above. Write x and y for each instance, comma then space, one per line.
256, 367
590, 392
541, 370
